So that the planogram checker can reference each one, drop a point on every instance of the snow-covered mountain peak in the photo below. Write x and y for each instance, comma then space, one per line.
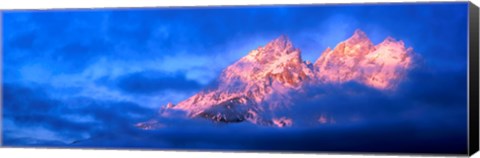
277, 49
358, 35
282, 42
271, 70
357, 59
356, 45
341, 64
257, 86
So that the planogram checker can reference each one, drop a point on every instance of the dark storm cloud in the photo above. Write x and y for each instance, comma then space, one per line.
374, 137
31, 107
436, 88
54, 38
405, 122
24, 41
75, 56
389, 122
151, 82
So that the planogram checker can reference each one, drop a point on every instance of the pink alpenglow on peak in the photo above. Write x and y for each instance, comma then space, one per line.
357, 59
341, 64
274, 68
260, 84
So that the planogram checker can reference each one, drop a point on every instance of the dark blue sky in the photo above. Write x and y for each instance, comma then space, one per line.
68, 73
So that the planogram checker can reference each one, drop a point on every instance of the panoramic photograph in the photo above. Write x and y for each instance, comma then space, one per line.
355, 78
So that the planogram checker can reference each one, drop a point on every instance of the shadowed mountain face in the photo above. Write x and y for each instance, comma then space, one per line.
264, 86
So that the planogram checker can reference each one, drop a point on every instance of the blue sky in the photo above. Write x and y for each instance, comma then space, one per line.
68, 73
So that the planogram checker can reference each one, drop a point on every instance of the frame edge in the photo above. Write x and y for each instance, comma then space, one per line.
473, 109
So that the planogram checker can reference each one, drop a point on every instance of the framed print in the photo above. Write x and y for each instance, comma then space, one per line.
395, 78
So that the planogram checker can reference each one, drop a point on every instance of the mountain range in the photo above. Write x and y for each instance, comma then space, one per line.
262, 83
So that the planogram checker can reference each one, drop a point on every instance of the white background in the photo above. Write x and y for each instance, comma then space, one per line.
77, 153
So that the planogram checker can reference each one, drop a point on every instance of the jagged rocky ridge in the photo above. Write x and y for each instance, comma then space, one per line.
259, 84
